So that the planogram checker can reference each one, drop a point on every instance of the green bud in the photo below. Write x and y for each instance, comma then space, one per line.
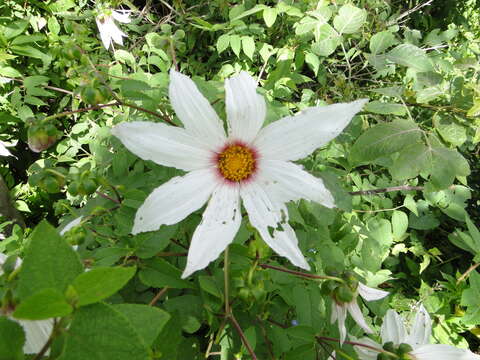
344, 294
383, 356
89, 186
328, 287
332, 271
50, 185
73, 188
389, 346
404, 349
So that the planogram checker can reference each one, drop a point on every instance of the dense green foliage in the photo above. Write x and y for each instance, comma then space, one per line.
415, 142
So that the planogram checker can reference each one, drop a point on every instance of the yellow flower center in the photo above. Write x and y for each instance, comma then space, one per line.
236, 162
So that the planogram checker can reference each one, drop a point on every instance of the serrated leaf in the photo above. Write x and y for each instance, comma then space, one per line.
384, 139
100, 283
269, 16
411, 56
383, 108
49, 262
248, 46
349, 19
235, 44
381, 41
45, 304
11, 340
100, 332
222, 43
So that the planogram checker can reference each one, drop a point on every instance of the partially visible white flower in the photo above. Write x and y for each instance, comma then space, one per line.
393, 330
71, 225
37, 332
4, 80
109, 31
339, 310
3, 150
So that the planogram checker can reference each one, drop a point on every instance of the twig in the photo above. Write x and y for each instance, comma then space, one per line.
320, 338
89, 108
242, 336
301, 274
54, 88
265, 338
388, 189
408, 12
469, 270
168, 253
105, 196
158, 296
46, 346
379, 210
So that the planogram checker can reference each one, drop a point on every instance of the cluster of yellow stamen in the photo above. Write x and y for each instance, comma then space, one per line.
236, 162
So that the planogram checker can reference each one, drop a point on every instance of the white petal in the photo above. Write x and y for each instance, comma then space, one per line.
166, 145
371, 294
421, 328
104, 33
339, 313
3, 150
121, 15
295, 137
36, 334
245, 108
363, 352
195, 112
116, 34
71, 225
175, 200
291, 182
357, 315
271, 221
220, 223
393, 328
442, 352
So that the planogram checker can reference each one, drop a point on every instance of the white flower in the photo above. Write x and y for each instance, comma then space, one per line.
37, 332
71, 225
250, 163
339, 310
393, 330
3, 150
109, 31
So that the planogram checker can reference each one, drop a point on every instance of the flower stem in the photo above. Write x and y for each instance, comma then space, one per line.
321, 338
301, 274
242, 336
226, 282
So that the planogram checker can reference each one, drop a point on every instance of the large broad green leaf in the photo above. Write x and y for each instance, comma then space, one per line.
269, 16
441, 163
248, 46
471, 299
45, 304
148, 321
383, 108
99, 332
12, 339
328, 40
100, 283
159, 273
349, 19
384, 139
381, 41
49, 262
411, 56
313, 23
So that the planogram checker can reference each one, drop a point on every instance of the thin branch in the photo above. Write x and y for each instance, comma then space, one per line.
379, 210
301, 274
105, 196
320, 338
168, 253
158, 296
54, 88
408, 12
387, 189
242, 336
89, 108
469, 270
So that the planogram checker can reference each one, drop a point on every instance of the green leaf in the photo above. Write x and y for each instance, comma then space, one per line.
14, 28
100, 283
49, 262
384, 139
381, 41
248, 46
99, 332
45, 304
152, 242
11, 340
449, 130
269, 16
399, 224
222, 43
235, 44
159, 273
313, 61
411, 56
383, 108
124, 57
349, 19
471, 299
148, 321
328, 40
208, 284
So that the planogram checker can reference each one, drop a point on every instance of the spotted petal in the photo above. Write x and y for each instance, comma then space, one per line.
220, 223
295, 137
245, 108
166, 145
195, 112
175, 200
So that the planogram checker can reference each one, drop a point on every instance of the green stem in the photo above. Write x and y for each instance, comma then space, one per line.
301, 274
226, 282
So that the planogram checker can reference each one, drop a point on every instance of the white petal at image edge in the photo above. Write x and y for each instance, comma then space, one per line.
164, 144
175, 200
245, 108
295, 137
3, 150
442, 352
393, 328
220, 222
194, 111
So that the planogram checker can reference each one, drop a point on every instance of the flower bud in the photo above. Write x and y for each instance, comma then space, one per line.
41, 136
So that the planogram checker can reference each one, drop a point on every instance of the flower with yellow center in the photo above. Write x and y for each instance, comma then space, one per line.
250, 163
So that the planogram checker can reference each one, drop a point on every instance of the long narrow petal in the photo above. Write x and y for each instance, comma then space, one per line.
271, 221
393, 328
371, 294
122, 16
294, 183
365, 353
71, 225
116, 34
195, 112
166, 145
175, 200
36, 334
339, 313
245, 108
104, 32
220, 223
357, 315
295, 137
421, 328
3, 150
442, 352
